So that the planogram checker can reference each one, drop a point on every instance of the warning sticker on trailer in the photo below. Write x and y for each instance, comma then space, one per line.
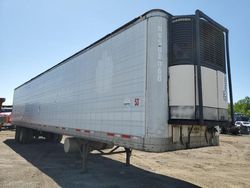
137, 102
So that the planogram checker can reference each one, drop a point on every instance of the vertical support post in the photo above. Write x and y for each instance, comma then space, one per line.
199, 81
229, 78
128, 155
84, 154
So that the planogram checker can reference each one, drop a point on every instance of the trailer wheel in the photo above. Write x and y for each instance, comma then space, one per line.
17, 134
52, 137
22, 135
25, 135
30, 135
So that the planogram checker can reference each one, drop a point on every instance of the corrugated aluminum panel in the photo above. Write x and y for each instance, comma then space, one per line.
95, 90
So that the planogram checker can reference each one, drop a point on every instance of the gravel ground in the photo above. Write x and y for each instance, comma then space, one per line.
43, 164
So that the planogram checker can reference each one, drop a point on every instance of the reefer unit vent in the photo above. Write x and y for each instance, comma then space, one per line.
197, 70
212, 46
182, 41
212, 43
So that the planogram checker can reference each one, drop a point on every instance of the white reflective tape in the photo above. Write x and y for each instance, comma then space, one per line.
135, 137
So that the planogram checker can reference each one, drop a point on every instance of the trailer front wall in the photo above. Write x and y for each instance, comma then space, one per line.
102, 89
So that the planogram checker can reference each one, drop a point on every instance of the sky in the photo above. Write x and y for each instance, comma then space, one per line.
36, 35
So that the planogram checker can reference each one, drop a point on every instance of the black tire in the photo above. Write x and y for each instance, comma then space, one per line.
22, 135
25, 135
30, 135
17, 134
52, 137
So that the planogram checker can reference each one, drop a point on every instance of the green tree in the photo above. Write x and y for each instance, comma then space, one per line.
243, 106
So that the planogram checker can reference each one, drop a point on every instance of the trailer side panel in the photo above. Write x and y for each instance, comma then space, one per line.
102, 89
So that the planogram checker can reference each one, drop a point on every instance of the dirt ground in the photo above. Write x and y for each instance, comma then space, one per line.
43, 164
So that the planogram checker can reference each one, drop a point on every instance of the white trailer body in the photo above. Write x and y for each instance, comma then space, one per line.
123, 90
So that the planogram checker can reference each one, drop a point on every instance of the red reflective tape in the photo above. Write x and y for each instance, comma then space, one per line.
125, 136
8, 119
78, 130
86, 131
110, 134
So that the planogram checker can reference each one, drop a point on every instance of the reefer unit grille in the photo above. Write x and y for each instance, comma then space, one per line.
212, 46
212, 43
182, 36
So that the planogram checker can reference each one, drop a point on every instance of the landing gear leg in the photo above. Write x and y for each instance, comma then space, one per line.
128, 155
84, 150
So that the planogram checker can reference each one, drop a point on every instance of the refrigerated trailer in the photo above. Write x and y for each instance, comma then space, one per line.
156, 84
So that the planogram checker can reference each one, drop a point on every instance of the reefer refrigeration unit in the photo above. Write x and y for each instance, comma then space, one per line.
158, 83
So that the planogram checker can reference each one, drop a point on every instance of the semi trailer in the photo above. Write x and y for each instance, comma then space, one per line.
2, 117
158, 83
5, 115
